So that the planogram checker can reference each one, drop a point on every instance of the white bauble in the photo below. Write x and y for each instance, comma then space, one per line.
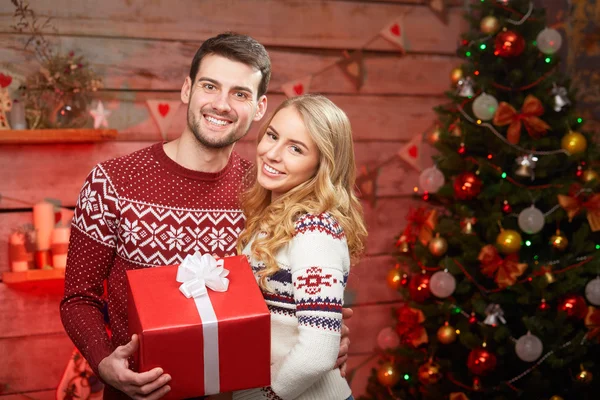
442, 284
431, 179
485, 106
529, 347
549, 41
592, 291
388, 339
531, 220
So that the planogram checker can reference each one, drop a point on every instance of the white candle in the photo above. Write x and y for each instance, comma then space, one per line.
60, 245
43, 221
20, 258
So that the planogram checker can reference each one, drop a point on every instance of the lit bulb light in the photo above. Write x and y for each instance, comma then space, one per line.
416, 189
527, 243
490, 156
478, 122
476, 73
548, 60
468, 54
458, 331
579, 120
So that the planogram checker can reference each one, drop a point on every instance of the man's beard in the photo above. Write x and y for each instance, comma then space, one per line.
220, 143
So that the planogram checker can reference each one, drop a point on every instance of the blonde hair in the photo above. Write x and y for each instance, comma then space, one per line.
331, 189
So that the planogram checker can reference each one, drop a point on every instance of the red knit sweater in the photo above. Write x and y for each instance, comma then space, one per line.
138, 211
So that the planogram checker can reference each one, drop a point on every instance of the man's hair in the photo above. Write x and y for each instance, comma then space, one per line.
236, 47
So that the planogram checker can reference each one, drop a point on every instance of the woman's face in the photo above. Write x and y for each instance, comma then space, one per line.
286, 155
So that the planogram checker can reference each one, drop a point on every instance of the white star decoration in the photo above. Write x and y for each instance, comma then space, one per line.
100, 116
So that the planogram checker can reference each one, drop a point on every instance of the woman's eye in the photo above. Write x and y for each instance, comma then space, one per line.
296, 149
271, 135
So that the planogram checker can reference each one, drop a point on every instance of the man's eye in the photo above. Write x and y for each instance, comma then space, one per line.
241, 95
209, 86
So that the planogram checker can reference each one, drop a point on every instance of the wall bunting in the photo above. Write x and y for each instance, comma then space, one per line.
395, 33
411, 152
353, 67
439, 9
163, 112
297, 87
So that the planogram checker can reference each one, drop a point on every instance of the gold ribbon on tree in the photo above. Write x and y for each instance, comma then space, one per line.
573, 205
507, 270
531, 110
422, 223
592, 322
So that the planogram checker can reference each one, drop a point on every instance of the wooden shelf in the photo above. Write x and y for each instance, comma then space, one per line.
44, 136
32, 275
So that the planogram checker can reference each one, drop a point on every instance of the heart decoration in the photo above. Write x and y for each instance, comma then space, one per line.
5, 80
299, 89
395, 29
163, 109
413, 151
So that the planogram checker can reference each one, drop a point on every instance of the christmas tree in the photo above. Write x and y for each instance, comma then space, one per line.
499, 268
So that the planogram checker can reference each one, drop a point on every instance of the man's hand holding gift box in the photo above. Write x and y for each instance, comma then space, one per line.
204, 322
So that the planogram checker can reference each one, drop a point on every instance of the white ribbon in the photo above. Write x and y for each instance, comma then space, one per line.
196, 273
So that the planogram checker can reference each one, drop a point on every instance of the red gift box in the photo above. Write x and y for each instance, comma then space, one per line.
172, 335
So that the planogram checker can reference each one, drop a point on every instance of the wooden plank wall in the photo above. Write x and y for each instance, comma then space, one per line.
143, 50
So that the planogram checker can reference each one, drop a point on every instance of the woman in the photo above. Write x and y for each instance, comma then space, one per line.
304, 226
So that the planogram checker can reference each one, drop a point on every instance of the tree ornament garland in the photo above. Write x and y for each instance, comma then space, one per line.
388, 339
431, 179
418, 288
429, 373
438, 246
388, 375
394, 278
549, 41
509, 241
529, 347
456, 75
467, 186
574, 142
509, 44
485, 106
531, 220
442, 284
574, 306
592, 291
559, 241
489, 25
481, 361
446, 334
589, 175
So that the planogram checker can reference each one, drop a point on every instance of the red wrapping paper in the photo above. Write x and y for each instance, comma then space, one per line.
171, 337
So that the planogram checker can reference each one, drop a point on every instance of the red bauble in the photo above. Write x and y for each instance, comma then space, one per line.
509, 44
418, 288
467, 186
574, 305
481, 361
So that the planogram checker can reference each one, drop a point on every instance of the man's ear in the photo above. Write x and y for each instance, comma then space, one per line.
261, 109
186, 90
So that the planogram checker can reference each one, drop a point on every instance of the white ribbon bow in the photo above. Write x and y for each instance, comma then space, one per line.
200, 271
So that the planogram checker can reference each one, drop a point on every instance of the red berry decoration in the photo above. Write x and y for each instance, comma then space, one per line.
467, 186
418, 288
509, 44
506, 208
481, 361
574, 305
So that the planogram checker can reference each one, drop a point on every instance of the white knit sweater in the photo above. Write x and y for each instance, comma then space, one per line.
305, 300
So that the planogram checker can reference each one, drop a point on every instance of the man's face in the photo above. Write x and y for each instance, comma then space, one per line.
222, 102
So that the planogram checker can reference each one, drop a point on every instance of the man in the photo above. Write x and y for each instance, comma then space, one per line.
159, 204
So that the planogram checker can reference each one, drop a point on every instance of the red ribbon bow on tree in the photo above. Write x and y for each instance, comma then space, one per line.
409, 326
507, 270
531, 110
573, 205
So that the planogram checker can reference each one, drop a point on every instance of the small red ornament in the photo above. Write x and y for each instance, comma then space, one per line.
418, 288
467, 186
472, 319
481, 361
506, 208
509, 44
404, 281
574, 305
462, 149
544, 306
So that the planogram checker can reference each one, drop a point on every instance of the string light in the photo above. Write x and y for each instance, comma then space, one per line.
579, 120
548, 60
503, 175
468, 54
482, 46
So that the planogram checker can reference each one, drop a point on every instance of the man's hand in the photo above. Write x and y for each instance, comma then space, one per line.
344, 343
114, 370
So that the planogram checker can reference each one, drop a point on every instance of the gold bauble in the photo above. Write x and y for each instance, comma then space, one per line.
446, 334
434, 136
388, 375
559, 241
574, 142
456, 75
429, 373
456, 131
584, 376
556, 398
402, 244
394, 277
590, 175
489, 25
509, 241
438, 246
